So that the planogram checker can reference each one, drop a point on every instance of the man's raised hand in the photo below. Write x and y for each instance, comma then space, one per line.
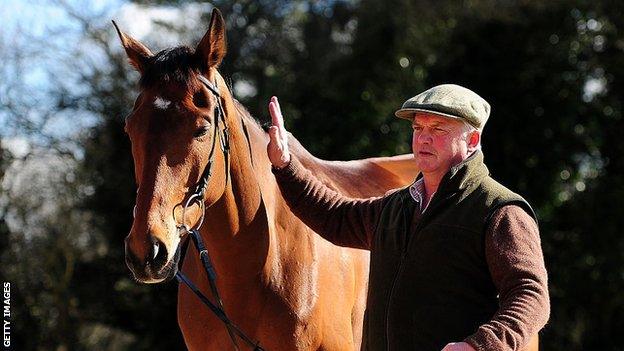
277, 149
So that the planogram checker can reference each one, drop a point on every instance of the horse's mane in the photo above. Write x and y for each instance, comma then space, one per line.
244, 113
175, 65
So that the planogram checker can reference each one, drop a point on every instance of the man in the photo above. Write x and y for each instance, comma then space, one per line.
456, 260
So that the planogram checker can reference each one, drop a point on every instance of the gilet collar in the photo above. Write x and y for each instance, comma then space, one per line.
461, 176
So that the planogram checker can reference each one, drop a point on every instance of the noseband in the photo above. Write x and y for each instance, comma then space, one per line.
198, 197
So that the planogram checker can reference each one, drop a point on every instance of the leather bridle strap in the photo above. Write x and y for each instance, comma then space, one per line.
218, 310
219, 117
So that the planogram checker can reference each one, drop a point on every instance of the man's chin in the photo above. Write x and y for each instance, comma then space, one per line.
426, 165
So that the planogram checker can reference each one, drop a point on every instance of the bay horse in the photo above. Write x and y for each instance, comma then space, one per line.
283, 284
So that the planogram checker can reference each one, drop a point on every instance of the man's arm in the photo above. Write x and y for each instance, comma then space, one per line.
516, 262
341, 220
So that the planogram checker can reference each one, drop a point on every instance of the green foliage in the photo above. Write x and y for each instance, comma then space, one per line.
585, 248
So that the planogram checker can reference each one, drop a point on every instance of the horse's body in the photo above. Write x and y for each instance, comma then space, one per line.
284, 285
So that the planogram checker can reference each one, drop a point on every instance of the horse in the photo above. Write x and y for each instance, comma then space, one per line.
280, 282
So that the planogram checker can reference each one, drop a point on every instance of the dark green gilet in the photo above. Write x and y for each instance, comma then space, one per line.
430, 285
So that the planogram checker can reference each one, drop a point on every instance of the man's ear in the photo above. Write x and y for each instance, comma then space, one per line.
138, 54
474, 139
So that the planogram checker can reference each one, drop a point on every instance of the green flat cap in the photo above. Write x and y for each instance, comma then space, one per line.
448, 100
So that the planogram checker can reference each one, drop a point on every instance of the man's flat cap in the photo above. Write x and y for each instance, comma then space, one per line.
448, 100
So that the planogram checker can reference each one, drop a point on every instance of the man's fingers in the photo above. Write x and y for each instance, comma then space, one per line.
277, 148
279, 109
277, 119
458, 346
274, 135
276, 115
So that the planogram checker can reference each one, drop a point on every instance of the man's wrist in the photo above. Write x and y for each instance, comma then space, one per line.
283, 165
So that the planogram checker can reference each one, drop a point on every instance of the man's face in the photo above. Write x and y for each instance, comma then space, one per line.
439, 143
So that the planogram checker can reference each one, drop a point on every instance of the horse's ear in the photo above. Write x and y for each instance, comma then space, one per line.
138, 54
212, 47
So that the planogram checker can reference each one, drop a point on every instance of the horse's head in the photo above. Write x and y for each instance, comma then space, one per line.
171, 128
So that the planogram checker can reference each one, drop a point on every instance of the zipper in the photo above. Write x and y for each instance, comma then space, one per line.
399, 271
418, 227
396, 276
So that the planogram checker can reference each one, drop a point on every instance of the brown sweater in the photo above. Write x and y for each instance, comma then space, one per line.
512, 250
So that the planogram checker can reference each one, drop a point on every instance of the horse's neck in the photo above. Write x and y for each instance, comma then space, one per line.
259, 249
244, 226
236, 229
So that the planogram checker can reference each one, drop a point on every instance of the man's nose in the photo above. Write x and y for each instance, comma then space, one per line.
424, 137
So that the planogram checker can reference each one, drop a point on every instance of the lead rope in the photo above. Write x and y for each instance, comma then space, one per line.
217, 310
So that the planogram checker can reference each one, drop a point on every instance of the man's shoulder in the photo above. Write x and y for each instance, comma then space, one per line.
495, 190
497, 195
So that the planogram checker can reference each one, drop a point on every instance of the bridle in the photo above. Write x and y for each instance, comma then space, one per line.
198, 197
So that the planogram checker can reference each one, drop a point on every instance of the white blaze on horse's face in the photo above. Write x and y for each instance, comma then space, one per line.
170, 146
161, 104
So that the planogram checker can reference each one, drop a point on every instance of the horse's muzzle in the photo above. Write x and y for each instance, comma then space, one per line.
155, 266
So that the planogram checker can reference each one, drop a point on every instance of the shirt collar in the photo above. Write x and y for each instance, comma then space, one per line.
417, 192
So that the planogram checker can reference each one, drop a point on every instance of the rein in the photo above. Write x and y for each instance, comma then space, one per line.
198, 197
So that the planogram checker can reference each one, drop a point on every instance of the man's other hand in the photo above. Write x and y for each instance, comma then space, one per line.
458, 346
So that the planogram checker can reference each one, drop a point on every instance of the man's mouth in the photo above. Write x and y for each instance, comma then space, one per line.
425, 153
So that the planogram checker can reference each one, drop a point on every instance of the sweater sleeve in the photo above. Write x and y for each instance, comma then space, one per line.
341, 220
516, 263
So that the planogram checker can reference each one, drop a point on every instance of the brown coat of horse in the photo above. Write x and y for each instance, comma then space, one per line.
281, 283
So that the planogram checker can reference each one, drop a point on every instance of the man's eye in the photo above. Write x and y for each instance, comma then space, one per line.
201, 132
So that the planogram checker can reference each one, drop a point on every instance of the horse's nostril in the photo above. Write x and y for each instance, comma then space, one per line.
155, 248
159, 253
150, 263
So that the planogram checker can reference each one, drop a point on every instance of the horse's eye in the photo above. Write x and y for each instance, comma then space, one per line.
201, 131
200, 99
